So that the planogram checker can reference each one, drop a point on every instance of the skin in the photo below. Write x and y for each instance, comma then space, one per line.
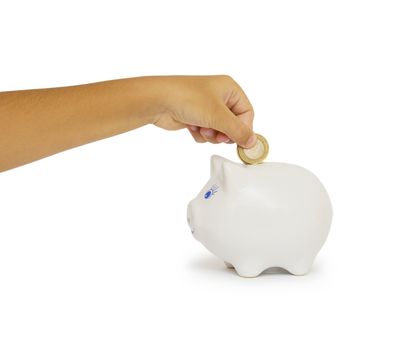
38, 123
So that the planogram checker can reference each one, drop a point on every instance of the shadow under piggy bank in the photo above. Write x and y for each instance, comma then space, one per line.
211, 265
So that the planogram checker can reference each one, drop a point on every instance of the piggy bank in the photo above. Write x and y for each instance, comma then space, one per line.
254, 217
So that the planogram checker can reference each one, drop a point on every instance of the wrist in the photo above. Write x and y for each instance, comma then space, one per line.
147, 98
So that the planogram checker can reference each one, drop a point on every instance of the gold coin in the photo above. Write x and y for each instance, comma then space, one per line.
256, 154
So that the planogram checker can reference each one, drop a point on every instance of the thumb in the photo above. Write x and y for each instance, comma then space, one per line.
235, 129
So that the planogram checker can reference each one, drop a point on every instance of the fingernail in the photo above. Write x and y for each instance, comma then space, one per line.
193, 127
222, 138
208, 132
251, 141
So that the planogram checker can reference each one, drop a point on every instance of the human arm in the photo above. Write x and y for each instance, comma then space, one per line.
38, 123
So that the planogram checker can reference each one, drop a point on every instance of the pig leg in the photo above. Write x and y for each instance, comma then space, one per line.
248, 271
300, 268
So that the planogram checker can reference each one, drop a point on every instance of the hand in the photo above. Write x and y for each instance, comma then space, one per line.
213, 108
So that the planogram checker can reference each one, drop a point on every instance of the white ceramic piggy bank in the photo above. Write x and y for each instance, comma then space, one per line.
254, 217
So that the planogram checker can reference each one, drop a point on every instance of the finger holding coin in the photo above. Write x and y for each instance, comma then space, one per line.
255, 154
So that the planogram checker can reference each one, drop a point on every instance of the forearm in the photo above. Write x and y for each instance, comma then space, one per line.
38, 123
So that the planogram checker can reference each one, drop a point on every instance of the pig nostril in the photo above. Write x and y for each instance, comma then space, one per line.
190, 225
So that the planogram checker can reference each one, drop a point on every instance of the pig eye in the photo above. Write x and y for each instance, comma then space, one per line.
211, 191
208, 194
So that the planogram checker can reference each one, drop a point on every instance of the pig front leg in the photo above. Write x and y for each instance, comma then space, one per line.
248, 271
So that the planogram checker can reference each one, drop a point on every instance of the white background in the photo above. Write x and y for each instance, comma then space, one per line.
95, 251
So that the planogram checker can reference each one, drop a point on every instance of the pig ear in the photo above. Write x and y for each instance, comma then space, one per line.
216, 165
231, 174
